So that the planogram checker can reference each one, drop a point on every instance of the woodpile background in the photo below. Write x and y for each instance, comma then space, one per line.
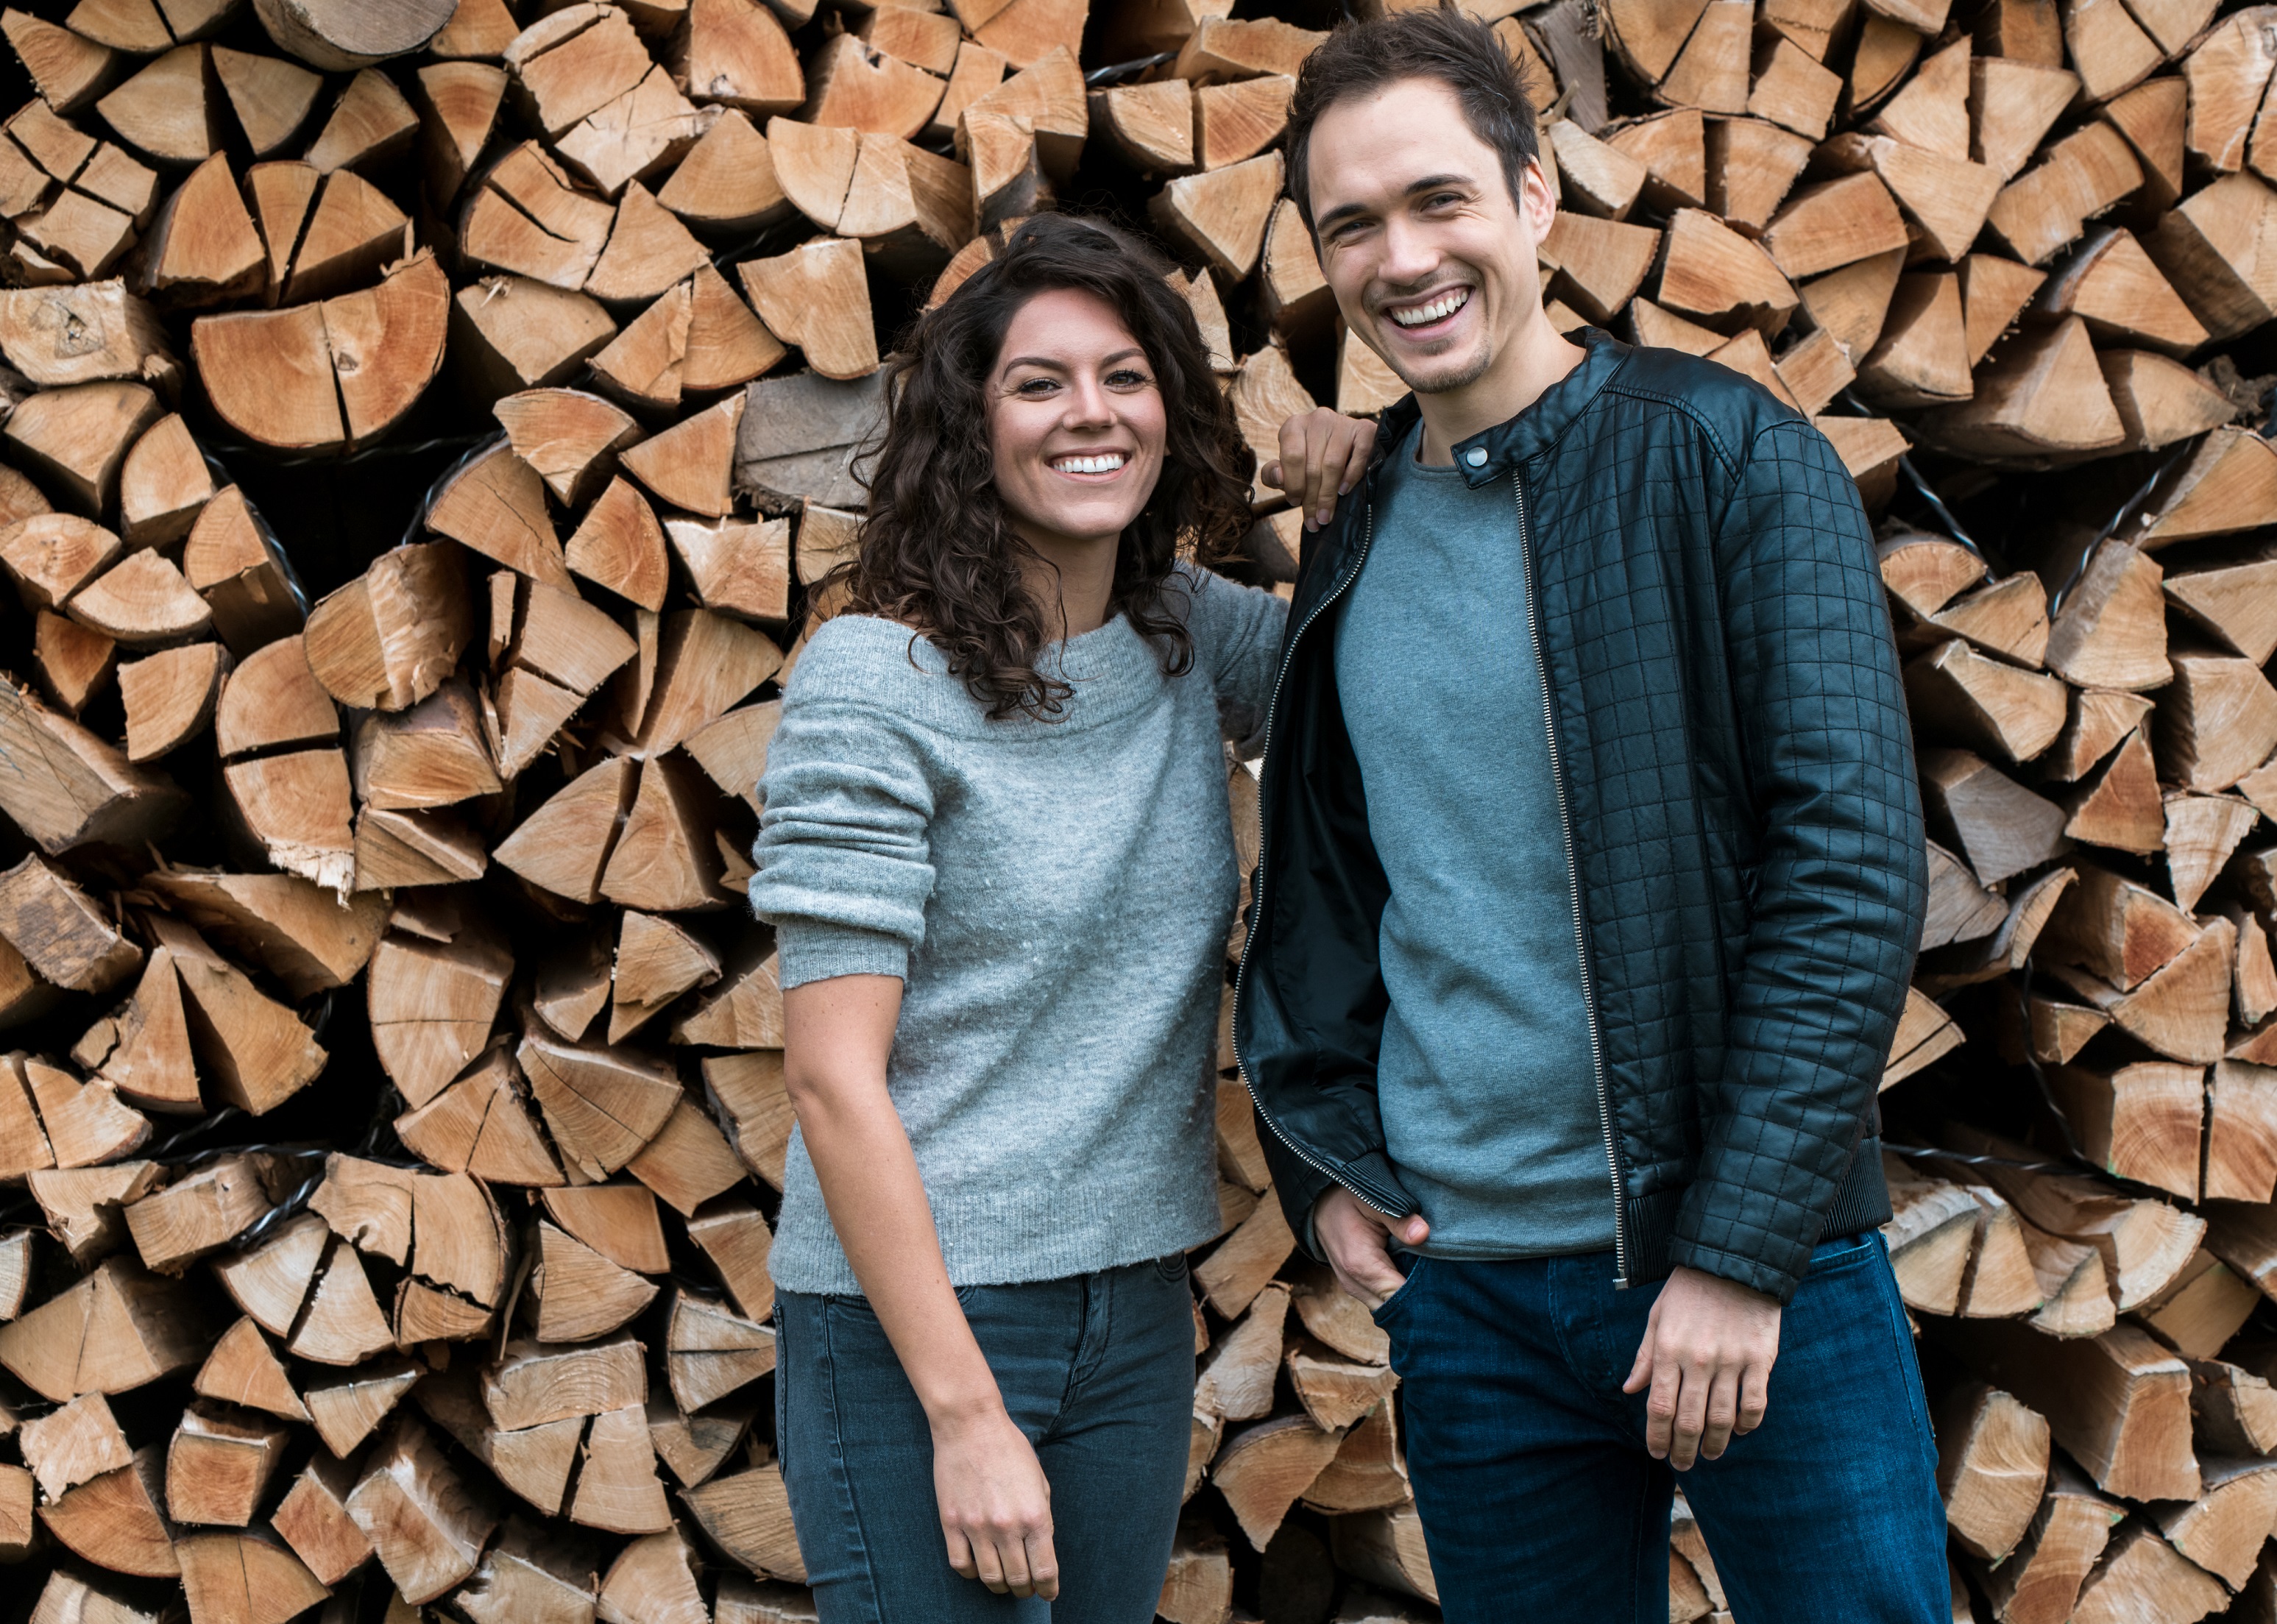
426, 422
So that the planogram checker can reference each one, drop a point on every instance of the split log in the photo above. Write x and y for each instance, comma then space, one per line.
711, 1352
424, 1526
1992, 1468
117, 1522
2118, 1403
1262, 1469
337, 35
245, 1577
329, 376
219, 1464
2139, 1570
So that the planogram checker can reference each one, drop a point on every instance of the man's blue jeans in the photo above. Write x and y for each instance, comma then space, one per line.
1097, 1369
1539, 1501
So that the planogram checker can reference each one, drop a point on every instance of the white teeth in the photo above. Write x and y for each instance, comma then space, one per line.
1438, 307
1104, 463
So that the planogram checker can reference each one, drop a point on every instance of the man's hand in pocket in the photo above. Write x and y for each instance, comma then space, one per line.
1357, 1240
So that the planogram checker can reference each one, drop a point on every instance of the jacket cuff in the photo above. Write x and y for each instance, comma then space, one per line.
813, 951
1751, 1273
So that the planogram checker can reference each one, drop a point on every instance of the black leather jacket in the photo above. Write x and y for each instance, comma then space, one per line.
1729, 733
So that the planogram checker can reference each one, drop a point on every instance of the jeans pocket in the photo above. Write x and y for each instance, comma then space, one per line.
1843, 1252
1400, 1298
782, 1387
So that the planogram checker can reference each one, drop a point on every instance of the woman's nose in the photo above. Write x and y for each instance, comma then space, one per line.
1089, 404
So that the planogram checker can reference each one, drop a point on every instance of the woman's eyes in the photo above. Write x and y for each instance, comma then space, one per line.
1121, 377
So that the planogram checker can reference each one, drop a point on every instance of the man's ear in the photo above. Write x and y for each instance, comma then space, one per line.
1536, 202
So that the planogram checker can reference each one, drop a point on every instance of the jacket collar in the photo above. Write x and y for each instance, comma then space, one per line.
1533, 431
1524, 438
1537, 429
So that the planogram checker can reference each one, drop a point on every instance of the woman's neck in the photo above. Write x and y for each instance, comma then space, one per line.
1071, 581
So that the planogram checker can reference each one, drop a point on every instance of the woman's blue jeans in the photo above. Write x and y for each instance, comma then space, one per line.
1098, 1371
1539, 1501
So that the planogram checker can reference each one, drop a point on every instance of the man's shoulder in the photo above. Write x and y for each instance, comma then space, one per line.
1727, 405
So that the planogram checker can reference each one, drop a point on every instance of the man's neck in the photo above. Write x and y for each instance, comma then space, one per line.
1515, 381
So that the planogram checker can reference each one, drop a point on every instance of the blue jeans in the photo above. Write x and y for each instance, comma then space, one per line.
1097, 1369
1539, 1501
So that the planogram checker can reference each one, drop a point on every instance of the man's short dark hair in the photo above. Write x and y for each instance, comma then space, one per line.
1462, 53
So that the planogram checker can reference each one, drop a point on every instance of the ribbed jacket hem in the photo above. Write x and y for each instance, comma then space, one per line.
1004, 1236
1863, 1203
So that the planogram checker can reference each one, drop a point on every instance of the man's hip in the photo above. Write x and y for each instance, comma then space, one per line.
1534, 1485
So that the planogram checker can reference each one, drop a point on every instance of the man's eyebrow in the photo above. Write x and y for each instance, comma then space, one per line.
1345, 211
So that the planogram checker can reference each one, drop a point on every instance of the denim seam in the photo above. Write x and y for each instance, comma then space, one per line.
1909, 1365
843, 1480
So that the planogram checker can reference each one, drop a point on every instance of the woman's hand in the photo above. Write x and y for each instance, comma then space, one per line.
1323, 454
996, 1505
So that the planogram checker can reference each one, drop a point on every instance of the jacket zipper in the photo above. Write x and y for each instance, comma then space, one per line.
1382, 1200
1574, 886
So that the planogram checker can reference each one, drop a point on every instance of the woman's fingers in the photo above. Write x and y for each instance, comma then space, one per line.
959, 1554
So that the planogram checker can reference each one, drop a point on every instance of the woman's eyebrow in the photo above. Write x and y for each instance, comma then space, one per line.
1060, 366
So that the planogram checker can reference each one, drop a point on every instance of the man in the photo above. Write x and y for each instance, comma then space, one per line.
1592, 876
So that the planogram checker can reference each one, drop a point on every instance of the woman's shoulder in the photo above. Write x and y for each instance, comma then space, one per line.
849, 657
1216, 610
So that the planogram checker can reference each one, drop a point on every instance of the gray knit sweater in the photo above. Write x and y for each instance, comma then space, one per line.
1056, 898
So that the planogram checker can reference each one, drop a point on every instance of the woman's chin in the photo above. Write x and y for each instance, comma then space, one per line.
1086, 524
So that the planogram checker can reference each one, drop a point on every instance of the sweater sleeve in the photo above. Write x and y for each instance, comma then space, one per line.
845, 861
1237, 632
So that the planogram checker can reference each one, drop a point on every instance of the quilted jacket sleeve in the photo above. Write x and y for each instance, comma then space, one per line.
1841, 881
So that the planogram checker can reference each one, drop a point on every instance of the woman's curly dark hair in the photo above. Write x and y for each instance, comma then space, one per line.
938, 552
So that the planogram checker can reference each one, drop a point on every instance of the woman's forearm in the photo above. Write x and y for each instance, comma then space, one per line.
838, 1035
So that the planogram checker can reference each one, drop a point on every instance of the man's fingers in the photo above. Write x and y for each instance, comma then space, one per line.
1640, 1368
1356, 457
1723, 1413
1319, 496
1271, 474
1044, 1564
1691, 1414
987, 1565
1012, 1551
1660, 1408
1755, 1398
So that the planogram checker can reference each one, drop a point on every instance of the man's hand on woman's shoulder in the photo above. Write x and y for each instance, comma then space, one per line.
1323, 454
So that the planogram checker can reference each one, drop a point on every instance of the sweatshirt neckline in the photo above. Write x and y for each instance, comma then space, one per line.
869, 660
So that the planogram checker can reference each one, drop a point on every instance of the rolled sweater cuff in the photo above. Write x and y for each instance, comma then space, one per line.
812, 951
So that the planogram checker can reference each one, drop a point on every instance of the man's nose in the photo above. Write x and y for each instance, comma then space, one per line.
1409, 254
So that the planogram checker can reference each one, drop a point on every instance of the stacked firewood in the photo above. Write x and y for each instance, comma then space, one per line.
306, 891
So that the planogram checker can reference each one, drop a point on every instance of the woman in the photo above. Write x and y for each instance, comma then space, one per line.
997, 852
